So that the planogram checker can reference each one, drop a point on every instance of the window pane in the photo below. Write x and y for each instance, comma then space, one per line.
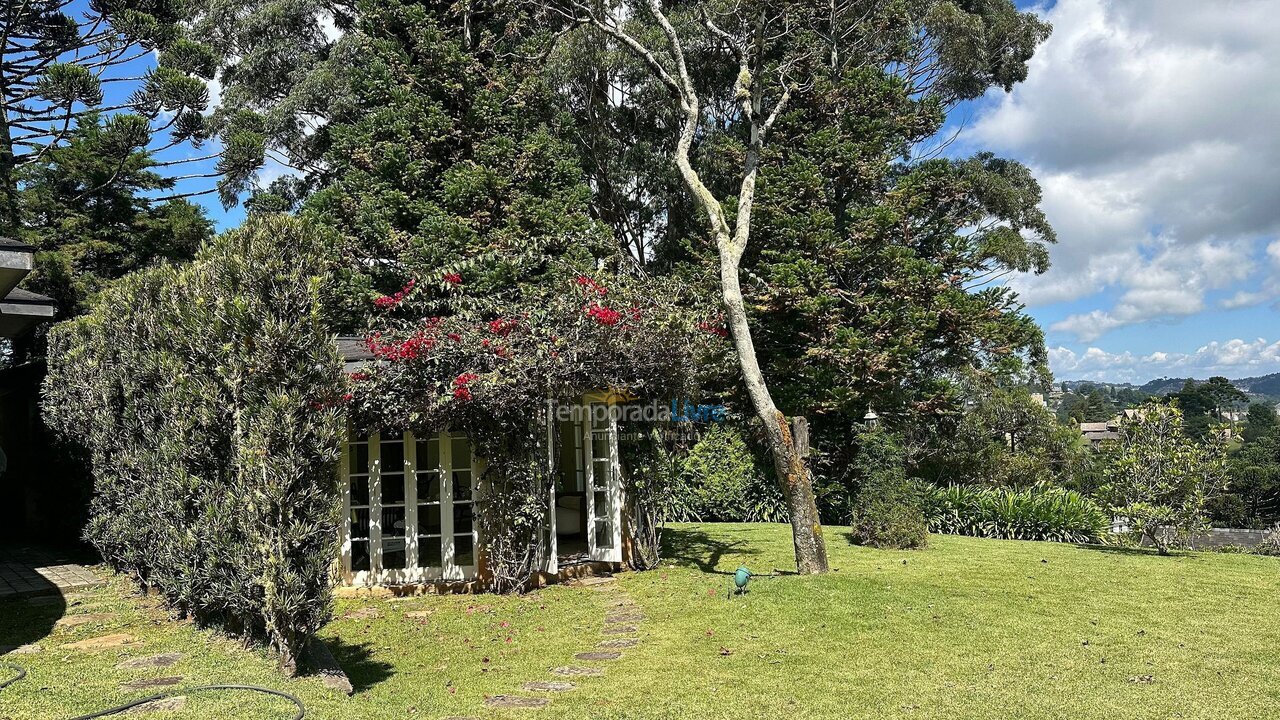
462, 485
392, 524
359, 523
464, 552
359, 555
392, 456
429, 454
461, 451
359, 458
600, 444
393, 553
604, 534
393, 488
359, 491
429, 555
429, 519
429, 487
602, 471
462, 518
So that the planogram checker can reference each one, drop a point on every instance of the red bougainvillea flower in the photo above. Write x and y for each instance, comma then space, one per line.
390, 301
454, 337
603, 315
715, 328
359, 375
413, 348
453, 278
460, 383
502, 327
590, 286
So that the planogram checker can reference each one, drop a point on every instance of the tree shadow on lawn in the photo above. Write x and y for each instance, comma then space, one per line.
356, 660
27, 621
1136, 551
687, 546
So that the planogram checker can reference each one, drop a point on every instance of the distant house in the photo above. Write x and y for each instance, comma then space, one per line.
1095, 433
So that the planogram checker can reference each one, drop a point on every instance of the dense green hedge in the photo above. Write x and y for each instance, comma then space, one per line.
208, 398
722, 480
1049, 514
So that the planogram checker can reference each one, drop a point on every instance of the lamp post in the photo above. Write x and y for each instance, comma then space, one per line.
871, 419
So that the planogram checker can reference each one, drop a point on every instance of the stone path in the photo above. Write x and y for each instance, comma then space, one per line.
621, 619
29, 571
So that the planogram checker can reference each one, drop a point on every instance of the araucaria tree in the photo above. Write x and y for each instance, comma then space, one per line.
737, 73
1159, 479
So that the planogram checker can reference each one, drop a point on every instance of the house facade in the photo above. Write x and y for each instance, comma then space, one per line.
410, 503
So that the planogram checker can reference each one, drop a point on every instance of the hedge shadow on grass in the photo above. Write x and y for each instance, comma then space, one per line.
356, 660
27, 621
688, 546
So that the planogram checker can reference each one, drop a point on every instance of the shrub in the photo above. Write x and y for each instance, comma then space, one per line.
886, 510
208, 399
721, 480
1035, 514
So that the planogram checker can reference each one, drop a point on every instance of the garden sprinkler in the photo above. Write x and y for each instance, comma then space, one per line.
740, 579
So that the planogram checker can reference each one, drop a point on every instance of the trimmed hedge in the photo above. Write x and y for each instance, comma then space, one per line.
1049, 514
208, 398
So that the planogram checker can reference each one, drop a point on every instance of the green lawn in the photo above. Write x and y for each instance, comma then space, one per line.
965, 629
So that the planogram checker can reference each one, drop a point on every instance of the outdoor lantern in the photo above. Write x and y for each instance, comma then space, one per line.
741, 578
871, 418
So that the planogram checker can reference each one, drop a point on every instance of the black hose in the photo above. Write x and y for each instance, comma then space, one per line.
302, 710
21, 674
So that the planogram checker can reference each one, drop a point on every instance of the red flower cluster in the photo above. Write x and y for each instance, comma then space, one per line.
454, 337
390, 301
502, 327
591, 286
453, 278
359, 375
603, 315
715, 328
411, 349
460, 383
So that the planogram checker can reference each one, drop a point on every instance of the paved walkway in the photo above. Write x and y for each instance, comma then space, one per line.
30, 571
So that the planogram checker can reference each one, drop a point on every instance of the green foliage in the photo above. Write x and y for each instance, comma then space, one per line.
1051, 514
1253, 498
207, 397
721, 479
886, 511
1160, 480
85, 211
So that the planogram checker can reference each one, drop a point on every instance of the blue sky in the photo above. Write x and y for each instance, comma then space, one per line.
1150, 126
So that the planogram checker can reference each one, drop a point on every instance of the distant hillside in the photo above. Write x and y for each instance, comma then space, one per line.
1265, 387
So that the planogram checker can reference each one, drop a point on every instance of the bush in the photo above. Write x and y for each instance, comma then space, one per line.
208, 399
721, 480
1036, 514
886, 510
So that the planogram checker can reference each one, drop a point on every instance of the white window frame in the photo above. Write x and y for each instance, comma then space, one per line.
449, 571
612, 485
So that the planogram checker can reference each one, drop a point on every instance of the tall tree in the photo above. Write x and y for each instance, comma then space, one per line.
734, 73
62, 62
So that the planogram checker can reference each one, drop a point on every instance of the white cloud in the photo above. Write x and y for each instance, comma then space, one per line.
1150, 125
1233, 358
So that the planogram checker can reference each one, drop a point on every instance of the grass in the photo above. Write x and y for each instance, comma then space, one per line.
967, 628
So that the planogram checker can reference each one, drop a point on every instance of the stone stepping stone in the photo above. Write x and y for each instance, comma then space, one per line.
162, 660
29, 649
102, 642
596, 581
595, 656
623, 618
364, 613
75, 621
619, 630
549, 686
178, 702
618, 643
515, 701
151, 683
572, 671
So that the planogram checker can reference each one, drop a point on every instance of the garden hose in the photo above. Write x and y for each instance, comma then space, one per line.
302, 710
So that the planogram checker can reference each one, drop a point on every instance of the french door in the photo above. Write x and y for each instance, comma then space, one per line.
603, 483
409, 504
